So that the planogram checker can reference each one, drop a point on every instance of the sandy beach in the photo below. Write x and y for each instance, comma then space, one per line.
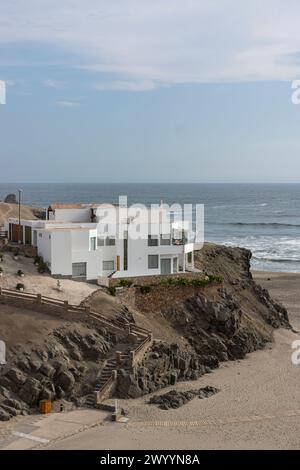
258, 406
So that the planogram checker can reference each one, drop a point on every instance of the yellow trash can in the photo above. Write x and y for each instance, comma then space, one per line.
45, 406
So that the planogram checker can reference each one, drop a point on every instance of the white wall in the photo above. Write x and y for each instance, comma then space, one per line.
44, 245
72, 215
81, 253
61, 252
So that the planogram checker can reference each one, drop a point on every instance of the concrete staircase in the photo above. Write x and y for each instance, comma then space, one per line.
106, 381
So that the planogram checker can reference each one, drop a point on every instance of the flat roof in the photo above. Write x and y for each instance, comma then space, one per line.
80, 205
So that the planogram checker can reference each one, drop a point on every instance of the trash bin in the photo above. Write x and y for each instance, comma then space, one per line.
45, 406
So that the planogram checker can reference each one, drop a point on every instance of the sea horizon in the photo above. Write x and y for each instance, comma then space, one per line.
263, 217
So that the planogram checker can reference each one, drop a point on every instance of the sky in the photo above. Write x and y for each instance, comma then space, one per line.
149, 91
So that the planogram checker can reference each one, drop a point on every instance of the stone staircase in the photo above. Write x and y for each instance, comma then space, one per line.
122, 359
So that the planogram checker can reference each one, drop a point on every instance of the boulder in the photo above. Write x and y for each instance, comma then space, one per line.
65, 380
4, 416
30, 391
16, 376
17, 404
11, 199
47, 370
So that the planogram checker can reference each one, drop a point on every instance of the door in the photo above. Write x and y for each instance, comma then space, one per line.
27, 235
165, 266
79, 270
16, 233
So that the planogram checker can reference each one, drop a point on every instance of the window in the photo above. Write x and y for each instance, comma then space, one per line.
165, 239
110, 241
93, 243
190, 257
79, 270
152, 240
174, 265
108, 265
125, 251
40, 235
100, 241
152, 261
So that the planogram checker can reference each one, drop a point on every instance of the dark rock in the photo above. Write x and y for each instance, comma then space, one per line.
65, 380
30, 391
11, 199
10, 410
175, 399
4, 416
47, 370
17, 404
16, 376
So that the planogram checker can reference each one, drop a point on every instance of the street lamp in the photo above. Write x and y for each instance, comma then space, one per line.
20, 191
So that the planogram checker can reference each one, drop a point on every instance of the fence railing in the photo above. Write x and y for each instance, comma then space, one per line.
63, 305
136, 354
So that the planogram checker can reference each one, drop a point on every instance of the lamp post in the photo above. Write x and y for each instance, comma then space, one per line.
20, 191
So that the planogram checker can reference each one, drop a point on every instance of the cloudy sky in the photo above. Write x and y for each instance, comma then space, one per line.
149, 90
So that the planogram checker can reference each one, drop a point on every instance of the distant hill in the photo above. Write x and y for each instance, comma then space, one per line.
12, 210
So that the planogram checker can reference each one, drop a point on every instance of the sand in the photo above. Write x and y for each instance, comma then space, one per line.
36, 283
258, 406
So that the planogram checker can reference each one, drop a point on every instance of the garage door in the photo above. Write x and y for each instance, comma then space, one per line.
79, 270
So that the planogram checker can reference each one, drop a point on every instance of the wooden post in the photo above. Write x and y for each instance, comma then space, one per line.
39, 298
118, 357
88, 309
131, 356
66, 305
0, 290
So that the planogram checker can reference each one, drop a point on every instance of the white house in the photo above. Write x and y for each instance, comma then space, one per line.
90, 241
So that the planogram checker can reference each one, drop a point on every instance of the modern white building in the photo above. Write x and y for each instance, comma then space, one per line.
92, 241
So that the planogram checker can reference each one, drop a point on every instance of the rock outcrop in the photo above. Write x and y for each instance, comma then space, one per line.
64, 366
175, 399
11, 199
218, 323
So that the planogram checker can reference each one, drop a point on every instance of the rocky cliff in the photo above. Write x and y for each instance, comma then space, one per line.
195, 328
213, 324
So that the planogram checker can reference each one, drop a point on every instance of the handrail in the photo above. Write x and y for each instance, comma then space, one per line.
64, 304
141, 345
59, 303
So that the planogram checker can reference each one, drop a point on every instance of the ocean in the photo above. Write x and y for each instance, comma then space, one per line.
262, 217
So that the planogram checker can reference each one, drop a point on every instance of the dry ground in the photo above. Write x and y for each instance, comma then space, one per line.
44, 284
258, 406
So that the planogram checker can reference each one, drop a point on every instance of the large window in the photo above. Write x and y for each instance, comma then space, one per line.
108, 265
152, 261
165, 239
152, 240
125, 249
110, 241
100, 241
93, 243
79, 270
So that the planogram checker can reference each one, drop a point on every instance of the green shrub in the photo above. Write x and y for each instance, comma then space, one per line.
1, 270
37, 259
145, 289
125, 283
20, 273
42, 267
1, 256
112, 290
20, 286
215, 278
181, 281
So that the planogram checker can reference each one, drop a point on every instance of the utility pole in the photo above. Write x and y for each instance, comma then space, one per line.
20, 191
